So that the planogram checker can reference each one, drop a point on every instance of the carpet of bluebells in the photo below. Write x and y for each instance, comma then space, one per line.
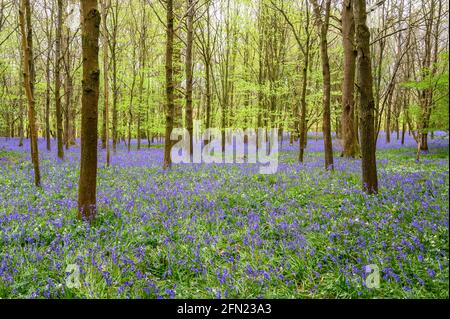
225, 231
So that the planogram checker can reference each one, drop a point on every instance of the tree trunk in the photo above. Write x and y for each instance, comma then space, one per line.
189, 71
142, 75
29, 76
303, 129
303, 124
430, 68
388, 116
349, 141
357, 123
130, 109
47, 100
21, 126
326, 124
89, 110
115, 89
260, 73
69, 122
59, 124
103, 128
366, 100
207, 61
169, 84
105, 44
208, 94
20, 93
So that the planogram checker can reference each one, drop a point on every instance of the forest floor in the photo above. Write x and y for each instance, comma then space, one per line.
225, 231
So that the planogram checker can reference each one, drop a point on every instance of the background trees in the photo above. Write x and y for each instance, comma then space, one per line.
288, 64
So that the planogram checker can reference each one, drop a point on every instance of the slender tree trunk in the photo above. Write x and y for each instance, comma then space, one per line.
326, 125
260, 72
139, 123
430, 67
21, 115
73, 114
303, 129
357, 122
388, 116
177, 67
69, 124
130, 109
141, 80
115, 89
70, 112
397, 115
366, 100
189, 71
147, 131
207, 60
59, 124
169, 84
67, 113
20, 102
47, 101
208, 94
303, 124
426, 95
403, 131
29, 76
87, 189
21, 127
349, 142
105, 7
103, 137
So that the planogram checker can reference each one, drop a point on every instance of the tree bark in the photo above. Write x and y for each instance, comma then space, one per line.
388, 116
59, 124
105, 44
207, 55
303, 124
326, 124
169, 84
189, 71
89, 110
366, 100
349, 141
142, 58
115, 89
47, 90
69, 109
29, 77
21, 133
130, 109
